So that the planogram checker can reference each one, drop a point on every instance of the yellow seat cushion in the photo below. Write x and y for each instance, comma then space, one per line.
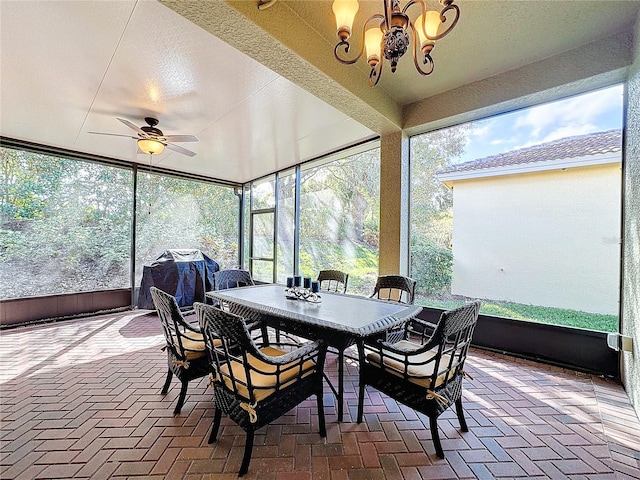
421, 366
266, 376
193, 344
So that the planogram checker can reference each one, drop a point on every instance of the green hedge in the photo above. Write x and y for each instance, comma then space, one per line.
432, 267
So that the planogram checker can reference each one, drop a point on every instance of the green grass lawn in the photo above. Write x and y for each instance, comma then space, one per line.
519, 311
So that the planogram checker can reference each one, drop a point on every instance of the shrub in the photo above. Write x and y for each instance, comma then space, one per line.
431, 267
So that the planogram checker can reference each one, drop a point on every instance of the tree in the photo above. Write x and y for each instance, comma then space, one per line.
344, 196
26, 179
356, 182
431, 200
432, 208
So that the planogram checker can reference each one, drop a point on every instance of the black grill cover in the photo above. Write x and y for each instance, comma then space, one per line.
185, 274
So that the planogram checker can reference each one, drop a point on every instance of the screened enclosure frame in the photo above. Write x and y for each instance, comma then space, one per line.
246, 261
243, 195
479, 118
135, 169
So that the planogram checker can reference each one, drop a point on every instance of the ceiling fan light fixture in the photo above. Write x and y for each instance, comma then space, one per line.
150, 146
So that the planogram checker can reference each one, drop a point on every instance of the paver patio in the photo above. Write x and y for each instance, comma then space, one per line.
81, 399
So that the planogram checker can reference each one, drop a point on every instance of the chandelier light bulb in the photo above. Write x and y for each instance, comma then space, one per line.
345, 12
373, 43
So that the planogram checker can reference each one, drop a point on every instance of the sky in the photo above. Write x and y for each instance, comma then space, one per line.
588, 113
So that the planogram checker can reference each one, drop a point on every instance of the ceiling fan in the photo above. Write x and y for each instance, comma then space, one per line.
151, 140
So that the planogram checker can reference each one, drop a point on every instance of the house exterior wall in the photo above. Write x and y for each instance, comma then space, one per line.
631, 233
548, 238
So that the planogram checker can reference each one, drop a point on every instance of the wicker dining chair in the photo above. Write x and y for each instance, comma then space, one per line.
235, 278
186, 354
333, 280
395, 288
232, 278
255, 384
427, 374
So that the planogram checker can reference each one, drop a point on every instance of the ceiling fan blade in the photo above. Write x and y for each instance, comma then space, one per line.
180, 138
133, 126
181, 150
112, 134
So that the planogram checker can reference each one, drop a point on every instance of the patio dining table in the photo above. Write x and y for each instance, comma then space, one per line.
340, 320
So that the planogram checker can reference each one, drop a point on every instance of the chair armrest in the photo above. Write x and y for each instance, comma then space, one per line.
408, 351
421, 328
194, 327
297, 354
430, 325
424, 323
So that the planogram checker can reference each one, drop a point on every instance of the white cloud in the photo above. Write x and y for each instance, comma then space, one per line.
482, 129
570, 131
564, 132
537, 118
578, 115
573, 113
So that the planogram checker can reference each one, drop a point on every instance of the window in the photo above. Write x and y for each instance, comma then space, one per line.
523, 211
339, 218
286, 224
262, 223
175, 213
65, 225
339, 214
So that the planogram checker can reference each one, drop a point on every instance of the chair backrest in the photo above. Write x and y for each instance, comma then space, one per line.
453, 337
232, 278
333, 280
395, 288
173, 323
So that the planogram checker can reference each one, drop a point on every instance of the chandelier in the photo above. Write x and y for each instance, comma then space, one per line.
387, 36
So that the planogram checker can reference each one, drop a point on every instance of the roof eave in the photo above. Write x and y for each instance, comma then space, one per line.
584, 161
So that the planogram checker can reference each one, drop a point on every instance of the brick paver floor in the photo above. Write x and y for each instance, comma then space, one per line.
81, 399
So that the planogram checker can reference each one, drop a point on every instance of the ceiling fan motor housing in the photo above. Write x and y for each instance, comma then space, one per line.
151, 130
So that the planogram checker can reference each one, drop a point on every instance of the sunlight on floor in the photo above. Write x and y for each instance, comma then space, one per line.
69, 343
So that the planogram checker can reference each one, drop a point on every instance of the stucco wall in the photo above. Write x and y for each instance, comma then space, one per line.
547, 238
631, 233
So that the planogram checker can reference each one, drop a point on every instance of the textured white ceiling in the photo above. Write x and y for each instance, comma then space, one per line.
71, 67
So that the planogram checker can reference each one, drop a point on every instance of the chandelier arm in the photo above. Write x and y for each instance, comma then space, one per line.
264, 4
414, 2
443, 19
423, 7
427, 60
387, 14
347, 45
376, 73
